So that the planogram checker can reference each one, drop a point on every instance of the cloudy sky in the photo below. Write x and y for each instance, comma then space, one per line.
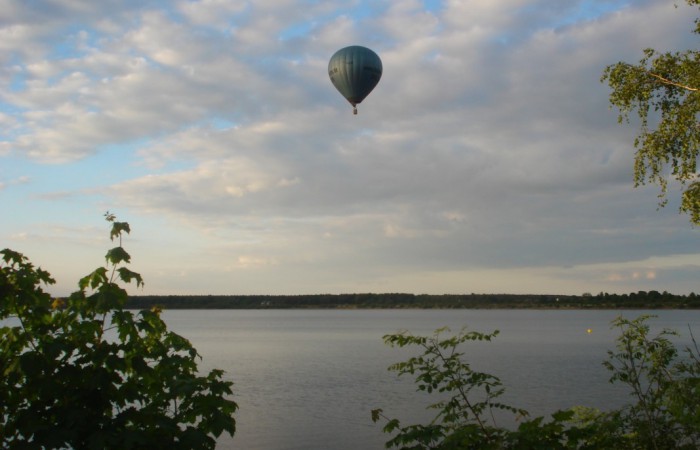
487, 159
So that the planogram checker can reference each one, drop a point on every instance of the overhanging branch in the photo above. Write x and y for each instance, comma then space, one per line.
672, 83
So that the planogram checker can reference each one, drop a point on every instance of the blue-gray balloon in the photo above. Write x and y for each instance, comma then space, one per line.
355, 71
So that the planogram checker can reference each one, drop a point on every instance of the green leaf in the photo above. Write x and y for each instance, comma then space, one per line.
118, 228
391, 425
12, 257
117, 255
127, 276
95, 279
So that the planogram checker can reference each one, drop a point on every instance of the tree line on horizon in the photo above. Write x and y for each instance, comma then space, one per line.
635, 300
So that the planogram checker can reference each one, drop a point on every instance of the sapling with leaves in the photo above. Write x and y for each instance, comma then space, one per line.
86, 373
664, 387
470, 396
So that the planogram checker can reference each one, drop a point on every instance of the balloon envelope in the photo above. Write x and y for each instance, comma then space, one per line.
355, 71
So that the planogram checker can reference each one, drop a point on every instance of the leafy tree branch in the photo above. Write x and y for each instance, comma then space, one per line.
663, 91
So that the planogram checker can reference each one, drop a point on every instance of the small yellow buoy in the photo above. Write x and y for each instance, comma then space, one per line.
589, 331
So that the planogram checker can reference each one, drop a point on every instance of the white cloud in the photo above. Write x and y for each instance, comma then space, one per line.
211, 13
487, 146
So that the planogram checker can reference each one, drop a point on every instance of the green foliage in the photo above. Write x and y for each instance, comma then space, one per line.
465, 416
471, 395
663, 88
666, 408
664, 414
85, 373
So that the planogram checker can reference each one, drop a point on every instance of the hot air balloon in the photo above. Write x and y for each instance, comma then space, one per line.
355, 71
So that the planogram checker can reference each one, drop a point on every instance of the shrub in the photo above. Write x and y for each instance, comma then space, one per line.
665, 387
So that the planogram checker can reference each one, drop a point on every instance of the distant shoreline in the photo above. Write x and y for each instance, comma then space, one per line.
635, 300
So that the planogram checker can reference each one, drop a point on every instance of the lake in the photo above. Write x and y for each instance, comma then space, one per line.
308, 379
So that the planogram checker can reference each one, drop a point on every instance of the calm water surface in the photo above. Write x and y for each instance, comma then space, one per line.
307, 379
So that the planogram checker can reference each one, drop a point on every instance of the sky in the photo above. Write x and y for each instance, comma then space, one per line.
487, 160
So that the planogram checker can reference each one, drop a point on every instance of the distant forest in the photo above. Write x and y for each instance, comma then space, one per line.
636, 300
